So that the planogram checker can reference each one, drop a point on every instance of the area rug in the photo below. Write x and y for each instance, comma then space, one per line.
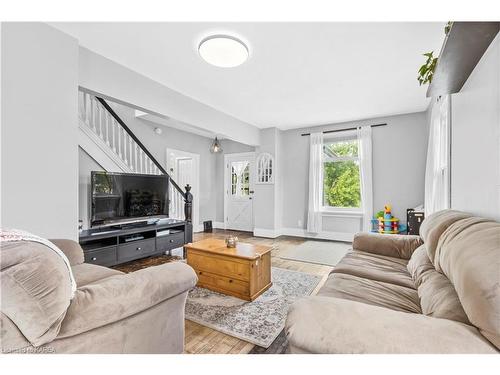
327, 253
258, 322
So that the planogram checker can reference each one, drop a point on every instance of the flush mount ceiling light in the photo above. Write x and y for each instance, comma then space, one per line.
223, 50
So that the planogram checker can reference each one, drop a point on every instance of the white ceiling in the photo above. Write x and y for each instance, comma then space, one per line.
298, 74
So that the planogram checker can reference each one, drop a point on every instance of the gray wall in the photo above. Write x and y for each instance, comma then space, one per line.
39, 130
399, 154
211, 165
475, 147
266, 207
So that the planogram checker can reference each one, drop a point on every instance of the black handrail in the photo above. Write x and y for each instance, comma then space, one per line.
132, 135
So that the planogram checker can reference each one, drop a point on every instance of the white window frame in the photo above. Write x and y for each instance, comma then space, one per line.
265, 162
348, 135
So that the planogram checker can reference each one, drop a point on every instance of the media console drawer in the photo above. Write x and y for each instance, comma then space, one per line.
169, 242
136, 249
105, 256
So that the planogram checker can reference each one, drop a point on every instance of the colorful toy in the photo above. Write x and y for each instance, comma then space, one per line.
386, 223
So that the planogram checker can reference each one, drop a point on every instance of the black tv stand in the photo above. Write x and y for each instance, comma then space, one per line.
110, 246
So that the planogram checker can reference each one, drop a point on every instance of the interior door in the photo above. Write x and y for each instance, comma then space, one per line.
240, 170
183, 167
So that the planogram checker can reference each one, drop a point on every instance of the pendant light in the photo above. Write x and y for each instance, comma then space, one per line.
215, 147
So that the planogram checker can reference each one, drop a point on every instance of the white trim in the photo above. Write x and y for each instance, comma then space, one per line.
268, 233
218, 225
341, 213
197, 228
100, 151
248, 154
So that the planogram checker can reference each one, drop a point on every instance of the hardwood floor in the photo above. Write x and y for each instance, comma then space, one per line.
204, 340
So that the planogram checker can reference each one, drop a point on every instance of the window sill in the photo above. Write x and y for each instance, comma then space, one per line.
342, 213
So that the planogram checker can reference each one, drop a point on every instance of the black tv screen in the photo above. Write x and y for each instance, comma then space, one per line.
125, 197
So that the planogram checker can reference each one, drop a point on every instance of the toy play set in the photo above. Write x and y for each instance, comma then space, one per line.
385, 223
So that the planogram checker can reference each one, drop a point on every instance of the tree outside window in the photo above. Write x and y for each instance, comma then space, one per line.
341, 177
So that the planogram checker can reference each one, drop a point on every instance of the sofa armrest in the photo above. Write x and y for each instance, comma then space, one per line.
394, 245
118, 297
333, 325
71, 249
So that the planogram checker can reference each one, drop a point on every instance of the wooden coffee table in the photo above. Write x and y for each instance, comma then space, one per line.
243, 271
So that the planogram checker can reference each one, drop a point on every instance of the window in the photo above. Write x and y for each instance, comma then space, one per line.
341, 175
265, 167
240, 178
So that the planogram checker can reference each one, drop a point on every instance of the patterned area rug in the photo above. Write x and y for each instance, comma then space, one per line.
258, 322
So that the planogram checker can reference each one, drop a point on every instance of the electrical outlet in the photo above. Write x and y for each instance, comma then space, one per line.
299, 223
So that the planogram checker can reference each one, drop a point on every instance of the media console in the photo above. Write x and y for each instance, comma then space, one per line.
109, 247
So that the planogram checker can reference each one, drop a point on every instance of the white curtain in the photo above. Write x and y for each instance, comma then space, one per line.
314, 215
437, 171
365, 168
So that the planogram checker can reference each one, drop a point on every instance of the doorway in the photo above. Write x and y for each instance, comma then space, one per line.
184, 168
239, 179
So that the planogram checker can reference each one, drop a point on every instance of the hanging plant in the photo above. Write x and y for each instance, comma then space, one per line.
426, 71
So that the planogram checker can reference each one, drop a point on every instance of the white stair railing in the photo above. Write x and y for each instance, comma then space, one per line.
176, 210
98, 123
96, 119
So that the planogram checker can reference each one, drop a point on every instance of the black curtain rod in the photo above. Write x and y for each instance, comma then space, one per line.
343, 130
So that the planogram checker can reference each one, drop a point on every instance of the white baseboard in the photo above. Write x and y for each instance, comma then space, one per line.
198, 228
268, 233
333, 236
217, 225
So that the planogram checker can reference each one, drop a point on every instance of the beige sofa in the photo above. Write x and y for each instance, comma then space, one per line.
404, 294
111, 312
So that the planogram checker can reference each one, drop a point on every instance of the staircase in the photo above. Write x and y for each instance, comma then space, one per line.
109, 141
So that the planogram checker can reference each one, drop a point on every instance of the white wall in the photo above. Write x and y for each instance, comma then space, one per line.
39, 130
399, 153
475, 146
114, 81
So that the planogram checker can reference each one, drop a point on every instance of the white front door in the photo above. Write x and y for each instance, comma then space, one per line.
184, 169
239, 182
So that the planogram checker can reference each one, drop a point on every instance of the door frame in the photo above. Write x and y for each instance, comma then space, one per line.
251, 155
197, 227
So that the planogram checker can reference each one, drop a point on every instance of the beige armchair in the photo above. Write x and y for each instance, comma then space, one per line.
110, 312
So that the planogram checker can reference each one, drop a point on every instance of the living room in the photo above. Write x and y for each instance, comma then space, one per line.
250, 187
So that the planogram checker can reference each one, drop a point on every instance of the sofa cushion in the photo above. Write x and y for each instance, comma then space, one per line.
469, 255
438, 297
419, 264
378, 293
87, 273
331, 325
396, 245
36, 289
433, 227
375, 267
71, 249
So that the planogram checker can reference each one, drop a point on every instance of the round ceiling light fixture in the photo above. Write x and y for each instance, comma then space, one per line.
224, 51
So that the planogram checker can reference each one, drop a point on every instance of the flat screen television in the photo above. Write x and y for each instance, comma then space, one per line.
127, 198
